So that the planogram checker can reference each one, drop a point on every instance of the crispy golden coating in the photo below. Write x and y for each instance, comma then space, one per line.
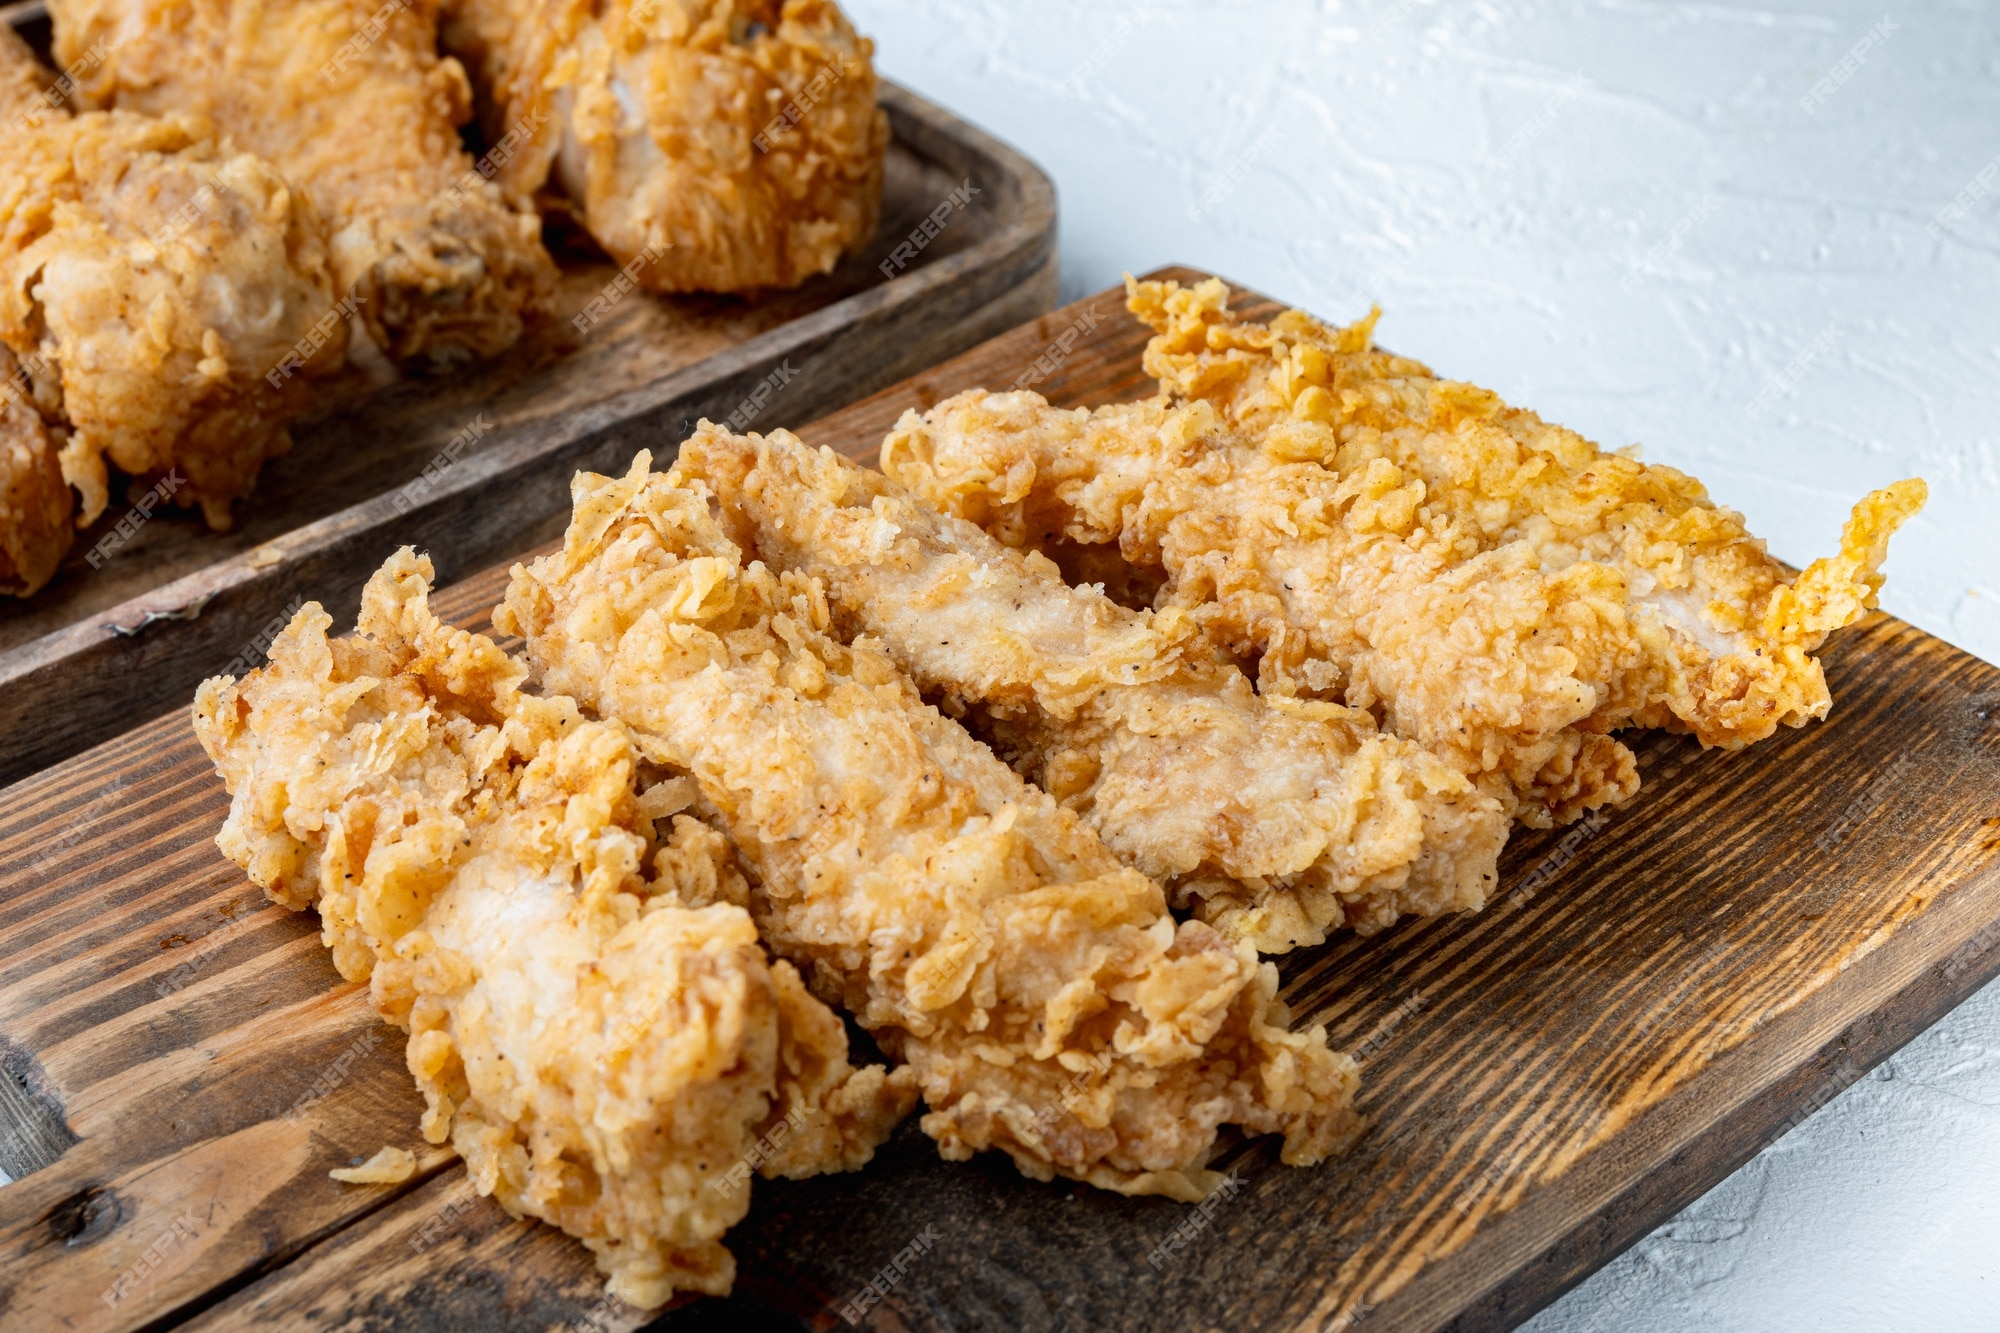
149, 279
1325, 584
1734, 664
1494, 588
1276, 819
35, 501
350, 99
723, 145
1037, 987
591, 1018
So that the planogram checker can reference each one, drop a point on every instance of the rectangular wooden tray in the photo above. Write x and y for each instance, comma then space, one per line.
101, 650
1650, 999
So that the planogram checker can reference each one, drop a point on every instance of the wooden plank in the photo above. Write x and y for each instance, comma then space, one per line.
440, 1257
1548, 1079
71, 674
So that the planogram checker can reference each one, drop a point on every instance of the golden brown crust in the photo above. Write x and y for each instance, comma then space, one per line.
1037, 988
1494, 588
755, 158
1325, 586
592, 1021
1277, 820
150, 279
1735, 663
351, 99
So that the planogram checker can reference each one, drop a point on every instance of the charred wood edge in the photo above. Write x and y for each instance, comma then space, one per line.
81, 685
33, 1129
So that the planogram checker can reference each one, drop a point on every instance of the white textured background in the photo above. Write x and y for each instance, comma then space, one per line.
1616, 212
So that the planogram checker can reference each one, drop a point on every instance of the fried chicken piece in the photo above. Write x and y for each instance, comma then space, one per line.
1735, 663
1038, 988
34, 499
1496, 589
1279, 819
710, 145
1330, 588
149, 278
350, 99
591, 1018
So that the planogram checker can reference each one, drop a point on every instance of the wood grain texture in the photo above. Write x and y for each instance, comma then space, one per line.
516, 428
1651, 999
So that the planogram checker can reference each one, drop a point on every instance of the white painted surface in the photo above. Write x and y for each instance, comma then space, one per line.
1620, 214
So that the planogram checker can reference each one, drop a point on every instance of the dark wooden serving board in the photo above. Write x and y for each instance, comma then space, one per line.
1649, 1001
558, 401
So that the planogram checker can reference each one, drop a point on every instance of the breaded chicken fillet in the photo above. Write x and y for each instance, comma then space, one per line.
350, 99
591, 1018
149, 278
710, 145
1494, 588
1278, 819
1045, 1000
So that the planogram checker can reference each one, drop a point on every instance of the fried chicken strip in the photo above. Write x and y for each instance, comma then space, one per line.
1280, 819
1735, 663
1328, 584
350, 99
149, 278
1039, 990
711, 145
591, 1018
1496, 589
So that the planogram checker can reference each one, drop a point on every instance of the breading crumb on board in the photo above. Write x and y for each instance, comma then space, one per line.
390, 1165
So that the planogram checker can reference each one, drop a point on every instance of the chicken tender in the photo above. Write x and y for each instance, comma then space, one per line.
1038, 989
592, 1021
1325, 588
1278, 819
1739, 631
149, 278
711, 145
350, 99
1495, 589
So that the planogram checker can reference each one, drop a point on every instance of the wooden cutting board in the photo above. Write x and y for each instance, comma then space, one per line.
1651, 999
